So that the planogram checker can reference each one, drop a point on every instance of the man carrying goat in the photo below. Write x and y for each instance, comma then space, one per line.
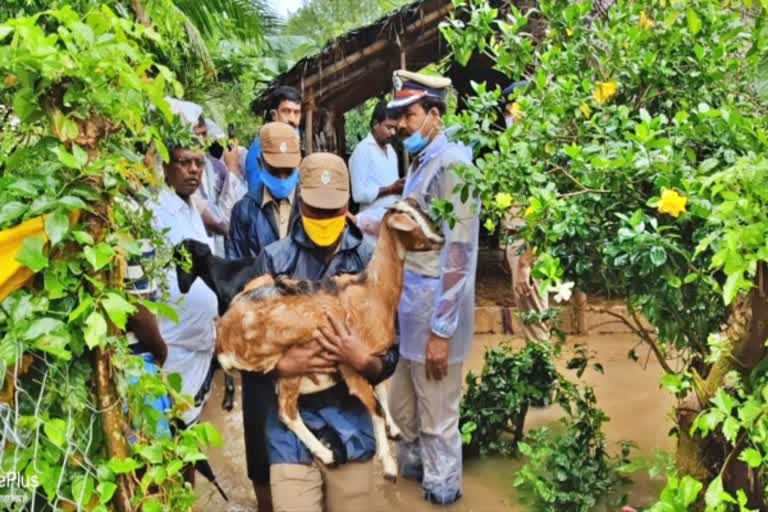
323, 245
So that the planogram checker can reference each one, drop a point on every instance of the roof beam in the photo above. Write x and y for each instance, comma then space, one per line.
375, 48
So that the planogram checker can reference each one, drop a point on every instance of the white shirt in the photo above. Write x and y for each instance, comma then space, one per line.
371, 168
191, 340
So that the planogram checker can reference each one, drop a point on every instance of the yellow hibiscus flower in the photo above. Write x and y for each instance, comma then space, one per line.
515, 111
503, 200
529, 211
672, 203
605, 91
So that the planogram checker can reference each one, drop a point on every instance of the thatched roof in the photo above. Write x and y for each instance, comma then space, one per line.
359, 64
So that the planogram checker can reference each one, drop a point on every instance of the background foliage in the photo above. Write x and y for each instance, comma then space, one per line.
637, 153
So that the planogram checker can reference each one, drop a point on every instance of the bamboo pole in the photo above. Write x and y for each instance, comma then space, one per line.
309, 132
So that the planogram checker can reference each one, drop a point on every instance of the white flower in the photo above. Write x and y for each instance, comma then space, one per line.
563, 291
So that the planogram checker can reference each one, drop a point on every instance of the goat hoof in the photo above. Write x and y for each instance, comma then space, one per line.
326, 457
394, 433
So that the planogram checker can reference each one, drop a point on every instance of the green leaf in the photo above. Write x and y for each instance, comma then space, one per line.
31, 254
72, 203
658, 256
80, 156
694, 23
724, 402
752, 457
162, 309
81, 308
82, 237
672, 382
53, 284
174, 467
690, 489
65, 157
153, 453
82, 489
731, 428
121, 466
11, 211
54, 344
56, 226
731, 287
106, 490
118, 309
99, 256
174, 380
716, 495
40, 327
56, 430
95, 330
152, 506
4, 31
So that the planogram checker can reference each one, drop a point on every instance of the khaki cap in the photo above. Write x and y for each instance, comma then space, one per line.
324, 181
280, 145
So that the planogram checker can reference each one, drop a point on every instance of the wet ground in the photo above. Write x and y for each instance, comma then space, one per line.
629, 394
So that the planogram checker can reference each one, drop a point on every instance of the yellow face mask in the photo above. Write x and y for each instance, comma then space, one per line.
323, 232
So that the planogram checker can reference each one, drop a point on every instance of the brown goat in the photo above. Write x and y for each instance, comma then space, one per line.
271, 315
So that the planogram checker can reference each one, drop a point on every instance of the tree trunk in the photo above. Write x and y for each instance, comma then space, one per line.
113, 424
746, 330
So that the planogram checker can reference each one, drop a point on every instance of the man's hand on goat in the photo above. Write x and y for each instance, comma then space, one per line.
305, 360
436, 357
346, 346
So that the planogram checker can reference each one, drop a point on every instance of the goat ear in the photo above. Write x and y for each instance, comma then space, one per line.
402, 222
185, 279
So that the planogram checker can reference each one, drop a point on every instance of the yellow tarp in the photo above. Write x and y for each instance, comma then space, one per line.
14, 275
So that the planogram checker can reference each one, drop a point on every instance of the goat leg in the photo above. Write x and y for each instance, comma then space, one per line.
360, 388
288, 409
382, 396
229, 393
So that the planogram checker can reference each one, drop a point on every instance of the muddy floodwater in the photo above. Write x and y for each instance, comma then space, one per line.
639, 412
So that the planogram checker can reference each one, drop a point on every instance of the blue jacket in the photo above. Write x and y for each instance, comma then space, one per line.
253, 227
296, 256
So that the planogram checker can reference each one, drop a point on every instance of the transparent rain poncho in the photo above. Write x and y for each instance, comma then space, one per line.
439, 287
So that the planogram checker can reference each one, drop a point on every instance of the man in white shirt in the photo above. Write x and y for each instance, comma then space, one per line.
373, 165
190, 342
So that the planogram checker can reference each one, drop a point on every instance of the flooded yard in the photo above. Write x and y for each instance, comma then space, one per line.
639, 412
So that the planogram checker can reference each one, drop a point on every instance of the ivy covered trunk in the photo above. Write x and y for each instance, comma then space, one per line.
86, 91
701, 456
113, 424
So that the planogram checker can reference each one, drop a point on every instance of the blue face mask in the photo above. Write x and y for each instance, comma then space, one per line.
416, 142
280, 188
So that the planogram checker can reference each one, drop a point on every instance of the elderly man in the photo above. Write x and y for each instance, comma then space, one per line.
320, 246
190, 342
436, 313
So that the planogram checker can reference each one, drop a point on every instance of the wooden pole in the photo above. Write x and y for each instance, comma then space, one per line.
341, 135
309, 132
580, 312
